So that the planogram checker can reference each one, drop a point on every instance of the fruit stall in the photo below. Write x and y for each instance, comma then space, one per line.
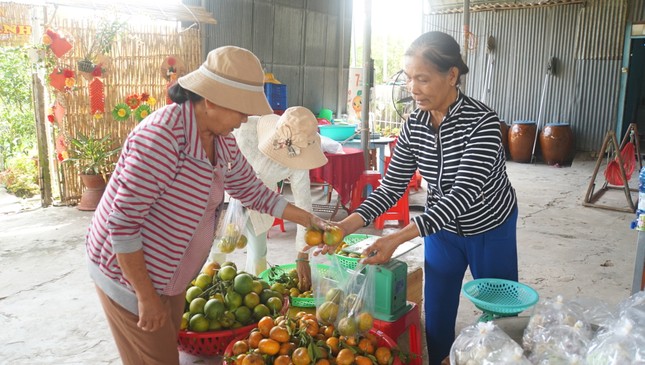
351, 314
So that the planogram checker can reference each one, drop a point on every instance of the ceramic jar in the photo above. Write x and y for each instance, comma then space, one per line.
557, 143
521, 137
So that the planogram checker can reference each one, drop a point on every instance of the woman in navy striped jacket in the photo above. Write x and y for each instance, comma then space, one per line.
155, 224
471, 210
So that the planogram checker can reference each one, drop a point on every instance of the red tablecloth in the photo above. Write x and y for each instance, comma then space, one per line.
341, 172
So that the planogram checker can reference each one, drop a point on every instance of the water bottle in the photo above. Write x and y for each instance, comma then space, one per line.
639, 223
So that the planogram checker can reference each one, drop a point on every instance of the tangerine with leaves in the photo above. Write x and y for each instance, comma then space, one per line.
282, 360
313, 236
334, 345
240, 347
365, 345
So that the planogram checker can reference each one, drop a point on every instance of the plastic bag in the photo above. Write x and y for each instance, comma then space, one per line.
231, 227
551, 313
622, 343
561, 344
486, 344
357, 308
344, 297
327, 284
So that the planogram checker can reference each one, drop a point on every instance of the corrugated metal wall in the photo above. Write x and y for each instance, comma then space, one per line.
297, 40
637, 11
587, 41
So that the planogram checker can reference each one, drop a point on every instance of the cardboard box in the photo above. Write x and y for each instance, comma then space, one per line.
415, 285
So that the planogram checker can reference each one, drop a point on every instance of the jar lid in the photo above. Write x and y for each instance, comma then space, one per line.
558, 124
523, 122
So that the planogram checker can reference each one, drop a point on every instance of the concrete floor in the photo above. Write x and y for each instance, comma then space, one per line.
49, 312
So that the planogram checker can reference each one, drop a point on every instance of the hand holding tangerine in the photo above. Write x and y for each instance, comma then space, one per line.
313, 236
333, 236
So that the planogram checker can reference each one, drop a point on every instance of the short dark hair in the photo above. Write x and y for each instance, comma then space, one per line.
179, 95
439, 49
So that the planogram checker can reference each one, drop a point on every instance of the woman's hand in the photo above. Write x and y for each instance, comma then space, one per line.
152, 314
304, 271
379, 252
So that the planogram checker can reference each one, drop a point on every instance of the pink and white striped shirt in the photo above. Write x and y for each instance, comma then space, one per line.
157, 196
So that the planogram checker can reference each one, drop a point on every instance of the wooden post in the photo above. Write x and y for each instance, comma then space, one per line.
44, 175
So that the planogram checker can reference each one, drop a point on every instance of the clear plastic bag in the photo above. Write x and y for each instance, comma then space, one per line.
327, 284
622, 343
561, 344
551, 313
357, 308
229, 234
485, 343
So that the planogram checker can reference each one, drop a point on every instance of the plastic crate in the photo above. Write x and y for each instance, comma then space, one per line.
351, 262
500, 297
210, 343
276, 95
295, 301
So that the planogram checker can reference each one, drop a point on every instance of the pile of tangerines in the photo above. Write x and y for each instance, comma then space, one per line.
302, 340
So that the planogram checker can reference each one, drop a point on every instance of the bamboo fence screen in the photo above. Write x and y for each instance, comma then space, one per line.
134, 66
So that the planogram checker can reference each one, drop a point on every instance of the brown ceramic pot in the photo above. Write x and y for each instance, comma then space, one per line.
556, 142
94, 188
504, 128
521, 137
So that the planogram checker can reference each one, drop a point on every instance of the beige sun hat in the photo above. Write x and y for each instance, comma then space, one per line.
232, 77
292, 139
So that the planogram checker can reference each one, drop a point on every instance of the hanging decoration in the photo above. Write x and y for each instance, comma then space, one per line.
56, 43
171, 68
97, 96
61, 148
62, 79
121, 112
59, 112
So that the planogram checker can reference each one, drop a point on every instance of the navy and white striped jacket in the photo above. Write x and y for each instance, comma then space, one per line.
464, 165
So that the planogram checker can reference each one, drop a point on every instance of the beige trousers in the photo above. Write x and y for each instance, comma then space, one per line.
138, 347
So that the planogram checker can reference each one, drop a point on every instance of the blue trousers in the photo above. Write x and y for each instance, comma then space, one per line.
447, 255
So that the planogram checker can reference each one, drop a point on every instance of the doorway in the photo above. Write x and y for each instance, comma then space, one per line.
634, 111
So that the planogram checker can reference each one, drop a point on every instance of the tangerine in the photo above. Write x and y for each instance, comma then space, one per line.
253, 359
323, 362
383, 355
333, 236
366, 345
362, 360
365, 322
333, 344
254, 339
313, 236
282, 360
269, 346
279, 334
300, 356
286, 348
240, 359
265, 325
345, 357
240, 347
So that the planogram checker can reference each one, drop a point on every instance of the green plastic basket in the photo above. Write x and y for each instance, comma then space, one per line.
500, 297
351, 262
295, 301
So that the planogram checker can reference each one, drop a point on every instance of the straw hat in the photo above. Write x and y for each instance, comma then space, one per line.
232, 78
292, 139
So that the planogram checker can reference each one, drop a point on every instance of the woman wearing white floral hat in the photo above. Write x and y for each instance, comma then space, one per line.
281, 147
154, 226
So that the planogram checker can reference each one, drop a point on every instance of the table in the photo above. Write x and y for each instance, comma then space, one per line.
341, 172
377, 143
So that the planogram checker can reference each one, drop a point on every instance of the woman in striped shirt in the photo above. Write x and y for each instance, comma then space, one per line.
154, 226
471, 211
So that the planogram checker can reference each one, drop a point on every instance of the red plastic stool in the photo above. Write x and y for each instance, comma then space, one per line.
399, 212
368, 178
277, 222
411, 322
